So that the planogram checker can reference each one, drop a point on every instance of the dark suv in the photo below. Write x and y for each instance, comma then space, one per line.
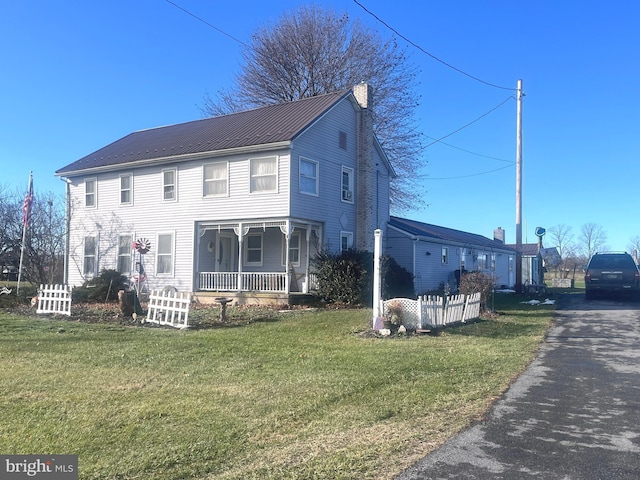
611, 273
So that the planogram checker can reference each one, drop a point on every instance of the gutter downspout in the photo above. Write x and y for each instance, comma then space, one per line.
67, 229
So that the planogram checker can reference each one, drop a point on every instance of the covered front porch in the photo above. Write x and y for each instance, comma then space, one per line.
256, 256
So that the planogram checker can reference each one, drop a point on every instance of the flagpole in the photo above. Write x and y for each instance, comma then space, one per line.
26, 214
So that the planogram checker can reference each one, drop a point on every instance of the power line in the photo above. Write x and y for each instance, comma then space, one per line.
471, 122
428, 53
470, 175
207, 23
472, 153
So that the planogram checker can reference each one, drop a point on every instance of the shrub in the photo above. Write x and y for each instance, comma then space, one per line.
100, 289
347, 277
473, 282
397, 280
343, 277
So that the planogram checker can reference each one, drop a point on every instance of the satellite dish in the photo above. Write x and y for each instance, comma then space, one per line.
540, 232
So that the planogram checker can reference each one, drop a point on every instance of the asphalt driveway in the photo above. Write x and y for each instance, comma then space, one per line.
573, 415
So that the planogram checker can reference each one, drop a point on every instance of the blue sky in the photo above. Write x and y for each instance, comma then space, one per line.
78, 75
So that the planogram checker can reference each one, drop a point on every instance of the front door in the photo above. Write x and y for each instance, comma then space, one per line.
225, 252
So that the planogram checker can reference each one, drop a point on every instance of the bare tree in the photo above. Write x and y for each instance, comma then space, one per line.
11, 231
562, 238
634, 247
315, 51
44, 240
592, 239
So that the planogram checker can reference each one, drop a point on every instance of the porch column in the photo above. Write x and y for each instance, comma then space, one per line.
306, 267
240, 232
287, 235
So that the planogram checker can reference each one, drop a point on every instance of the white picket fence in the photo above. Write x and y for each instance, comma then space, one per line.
432, 311
54, 299
169, 308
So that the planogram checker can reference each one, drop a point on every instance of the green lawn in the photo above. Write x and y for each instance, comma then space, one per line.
300, 395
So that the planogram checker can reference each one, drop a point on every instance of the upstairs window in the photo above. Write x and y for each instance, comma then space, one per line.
347, 184
169, 185
126, 189
90, 193
342, 140
216, 179
308, 176
264, 175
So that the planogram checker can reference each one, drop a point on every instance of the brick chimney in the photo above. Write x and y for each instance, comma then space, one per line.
498, 235
365, 215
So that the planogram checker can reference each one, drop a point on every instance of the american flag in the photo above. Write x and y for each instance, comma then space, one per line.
28, 202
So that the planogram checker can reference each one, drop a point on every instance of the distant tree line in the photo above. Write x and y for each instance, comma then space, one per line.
576, 249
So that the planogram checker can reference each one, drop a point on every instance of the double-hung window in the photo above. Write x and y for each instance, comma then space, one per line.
169, 185
253, 249
164, 254
126, 189
216, 179
90, 260
125, 250
90, 193
482, 261
294, 249
445, 255
347, 184
264, 175
346, 241
308, 176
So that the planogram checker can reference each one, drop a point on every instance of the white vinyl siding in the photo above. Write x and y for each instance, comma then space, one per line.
165, 254
91, 193
169, 185
308, 176
263, 175
216, 179
126, 189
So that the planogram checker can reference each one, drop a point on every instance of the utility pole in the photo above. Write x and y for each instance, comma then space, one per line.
519, 94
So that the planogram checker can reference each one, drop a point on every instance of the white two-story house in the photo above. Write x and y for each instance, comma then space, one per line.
235, 205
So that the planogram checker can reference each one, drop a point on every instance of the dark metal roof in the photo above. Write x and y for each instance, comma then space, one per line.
260, 126
444, 234
528, 249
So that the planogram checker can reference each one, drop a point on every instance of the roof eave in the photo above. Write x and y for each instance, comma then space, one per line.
453, 243
176, 158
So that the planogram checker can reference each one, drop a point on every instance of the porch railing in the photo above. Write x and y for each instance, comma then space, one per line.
250, 281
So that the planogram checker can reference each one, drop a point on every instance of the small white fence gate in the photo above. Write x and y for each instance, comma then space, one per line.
54, 299
433, 311
169, 308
